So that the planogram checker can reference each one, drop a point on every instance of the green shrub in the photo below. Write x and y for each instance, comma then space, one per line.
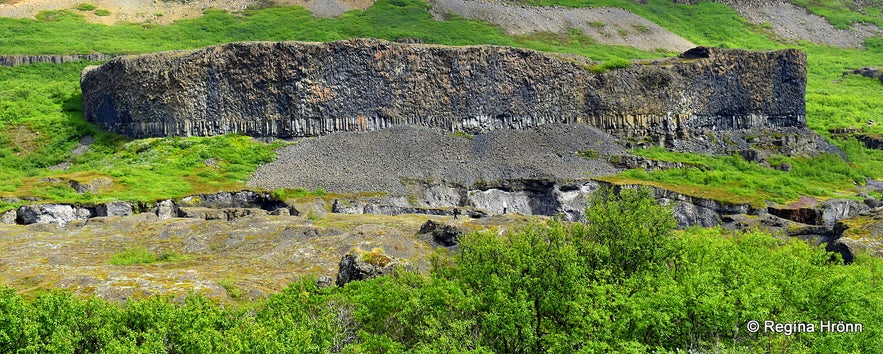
616, 63
140, 255
86, 7
102, 12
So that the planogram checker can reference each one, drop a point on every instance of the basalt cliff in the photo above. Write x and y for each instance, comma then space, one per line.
294, 89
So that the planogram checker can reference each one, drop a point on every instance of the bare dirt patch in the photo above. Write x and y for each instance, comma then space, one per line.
605, 24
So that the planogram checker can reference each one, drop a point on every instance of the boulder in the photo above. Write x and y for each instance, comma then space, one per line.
235, 213
240, 199
361, 265
57, 214
868, 72
8, 217
863, 233
92, 186
315, 207
834, 210
324, 281
202, 213
281, 212
688, 214
114, 209
447, 235
166, 210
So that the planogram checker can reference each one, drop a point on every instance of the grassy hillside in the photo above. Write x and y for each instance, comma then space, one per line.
41, 120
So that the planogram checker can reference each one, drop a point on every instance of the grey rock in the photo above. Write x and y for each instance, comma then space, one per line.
311, 89
240, 199
354, 266
834, 210
324, 281
57, 214
573, 199
869, 72
347, 207
202, 213
281, 212
15, 60
93, 186
447, 235
235, 213
9, 217
114, 209
316, 208
166, 209
498, 201
688, 214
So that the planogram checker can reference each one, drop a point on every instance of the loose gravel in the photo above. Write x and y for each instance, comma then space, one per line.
380, 161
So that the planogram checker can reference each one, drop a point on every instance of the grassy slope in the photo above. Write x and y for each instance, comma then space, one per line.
44, 98
833, 101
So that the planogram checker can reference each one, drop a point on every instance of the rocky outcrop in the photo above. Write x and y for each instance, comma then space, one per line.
218, 206
8, 217
58, 214
689, 210
92, 186
114, 209
218, 214
293, 89
872, 141
860, 234
240, 199
509, 196
15, 60
447, 235
869, 72
808, 211
361, 265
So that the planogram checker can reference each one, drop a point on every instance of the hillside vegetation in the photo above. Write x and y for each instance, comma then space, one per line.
621, 283
42, 122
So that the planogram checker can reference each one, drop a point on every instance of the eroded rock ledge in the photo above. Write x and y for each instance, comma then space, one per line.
293, 89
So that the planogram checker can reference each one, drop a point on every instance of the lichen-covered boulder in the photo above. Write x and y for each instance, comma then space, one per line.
361, 265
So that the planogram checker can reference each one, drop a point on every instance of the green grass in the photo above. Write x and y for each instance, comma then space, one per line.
833, 101
65, 32
732, 179
86, 7
140, 255
843, 13
297, 193
41, 121
705, 23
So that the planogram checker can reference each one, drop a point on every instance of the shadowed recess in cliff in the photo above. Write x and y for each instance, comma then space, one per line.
294, 89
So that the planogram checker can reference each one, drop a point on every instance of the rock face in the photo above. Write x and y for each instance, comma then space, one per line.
58, 214
15, 60
293, 89
447, 235
361, 265
114, 209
